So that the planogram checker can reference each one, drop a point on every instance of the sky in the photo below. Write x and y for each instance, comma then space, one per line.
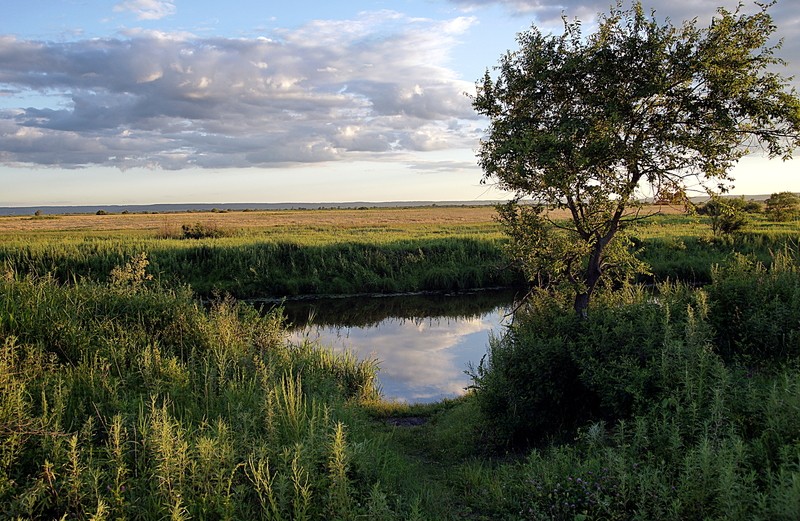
176, 101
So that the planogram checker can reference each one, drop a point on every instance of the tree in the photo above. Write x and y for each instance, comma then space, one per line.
727, 215
580, 123
783, 206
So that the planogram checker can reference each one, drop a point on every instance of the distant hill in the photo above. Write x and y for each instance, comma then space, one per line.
202, 207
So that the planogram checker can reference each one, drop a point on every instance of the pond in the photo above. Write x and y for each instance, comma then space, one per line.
423, 343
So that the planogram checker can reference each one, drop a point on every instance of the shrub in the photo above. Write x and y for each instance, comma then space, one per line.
553, 373
727, 214
528, 385
753, 206
202, 231
132, 275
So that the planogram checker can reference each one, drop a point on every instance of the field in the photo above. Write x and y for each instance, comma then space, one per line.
274, 223
333, 251
122, 396
269, 223
259, 254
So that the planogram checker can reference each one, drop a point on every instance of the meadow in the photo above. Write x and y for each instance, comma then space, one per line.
338, 251
277, 253
133, 386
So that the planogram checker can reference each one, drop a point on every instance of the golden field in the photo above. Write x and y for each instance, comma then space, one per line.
436, 216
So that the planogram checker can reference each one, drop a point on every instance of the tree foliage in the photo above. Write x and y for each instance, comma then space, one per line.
783, 206
581, 122
727, 215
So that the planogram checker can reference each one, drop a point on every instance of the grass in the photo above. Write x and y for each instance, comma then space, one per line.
285, 253
260, 254
122, 396
277, 222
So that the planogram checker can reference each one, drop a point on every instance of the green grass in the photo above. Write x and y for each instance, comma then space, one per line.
123, 397
682, 248
279, 260
324, 259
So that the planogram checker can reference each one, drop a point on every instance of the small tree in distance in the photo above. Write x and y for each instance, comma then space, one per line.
727, 215
782, 206
579, 123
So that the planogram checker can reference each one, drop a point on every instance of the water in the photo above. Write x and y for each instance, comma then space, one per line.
423, 343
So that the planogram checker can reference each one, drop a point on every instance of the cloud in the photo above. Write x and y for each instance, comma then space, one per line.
547, 14
328, 91
420, 359
147, 9
442, 166
545, 11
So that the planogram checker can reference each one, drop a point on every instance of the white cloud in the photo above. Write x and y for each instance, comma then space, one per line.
420, 359
786, 12
327, 91
147, 9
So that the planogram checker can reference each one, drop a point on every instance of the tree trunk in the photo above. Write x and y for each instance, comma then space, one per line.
593, 274
582, 305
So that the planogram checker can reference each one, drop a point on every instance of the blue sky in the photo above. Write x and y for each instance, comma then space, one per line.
172, 101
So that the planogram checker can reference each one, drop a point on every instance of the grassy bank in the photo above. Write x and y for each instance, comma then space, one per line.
127, 402
247, 269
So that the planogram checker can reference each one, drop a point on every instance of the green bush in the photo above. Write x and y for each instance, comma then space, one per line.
783, 206
755, 310
529, 390
728, 215
552, 373
202, 231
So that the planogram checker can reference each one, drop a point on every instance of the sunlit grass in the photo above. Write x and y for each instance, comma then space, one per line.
123, 397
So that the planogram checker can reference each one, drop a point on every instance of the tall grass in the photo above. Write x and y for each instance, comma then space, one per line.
258, 269
136, 402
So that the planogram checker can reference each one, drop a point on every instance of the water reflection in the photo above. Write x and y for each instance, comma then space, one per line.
423, 343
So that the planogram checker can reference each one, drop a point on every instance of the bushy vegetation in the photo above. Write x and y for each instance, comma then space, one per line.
202, 231
783, 206
729, 215
666, 404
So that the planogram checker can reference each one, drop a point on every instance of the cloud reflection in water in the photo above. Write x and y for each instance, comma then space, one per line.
421, 359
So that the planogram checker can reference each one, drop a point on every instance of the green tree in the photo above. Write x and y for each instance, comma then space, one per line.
782, 206
727, 215
579, 123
